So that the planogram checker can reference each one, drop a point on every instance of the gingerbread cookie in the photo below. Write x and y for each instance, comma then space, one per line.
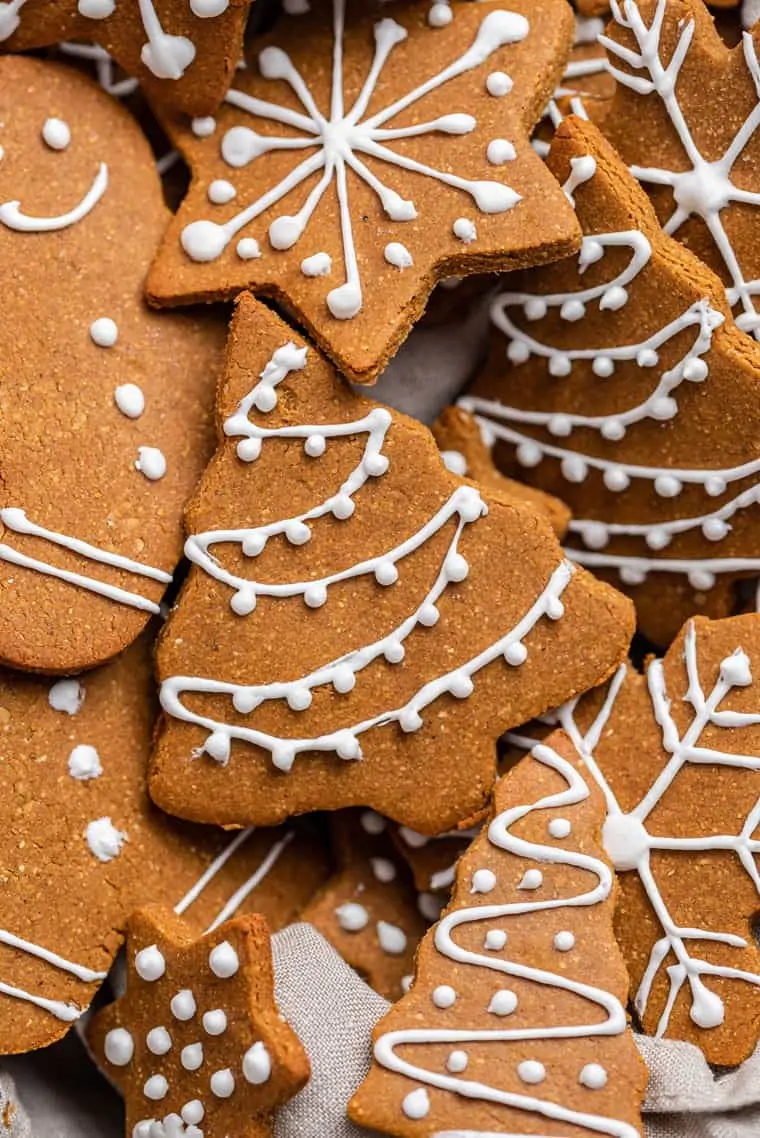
197, 1044
422, 170
342, 636
695, 104
619, 382
370, 910
433, 860
183, 52
586, 83
82, 846
515, 1021
104, 405
465, 452
674, 752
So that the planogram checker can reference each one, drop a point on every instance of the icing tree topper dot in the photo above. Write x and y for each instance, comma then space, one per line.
369, 623
228, 1081
365, 182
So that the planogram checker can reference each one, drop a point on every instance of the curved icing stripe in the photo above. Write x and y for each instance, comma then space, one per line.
16, 520
614, 1021
67, 1012
63, 1011
705, 189
340, 136
12, 216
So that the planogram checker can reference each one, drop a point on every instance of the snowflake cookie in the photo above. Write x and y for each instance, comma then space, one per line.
104, 404
197, 1044
357, 619
81, 845
515, 1022
676, 753
183, 52
618, 381
365, 155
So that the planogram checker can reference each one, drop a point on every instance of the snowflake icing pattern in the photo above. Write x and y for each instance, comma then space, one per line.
705, 189
339, 138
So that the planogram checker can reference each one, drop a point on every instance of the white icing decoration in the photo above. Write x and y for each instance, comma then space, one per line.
221, 191
341, 139
257, 1065
581, 170
373, 823
12, 216
498, 84
352, 917
191, 1056
203, 127
66, 695
495, 940
398, 255
444, 996
130, 400
84, 762
104, 840
483, 881
393, 940
9, 17
559, 828
412, 839
454, 461
56, 134
416, 1104
104, 332
564, 941
429, 906
215, 1022
383, 869
222, 1083
248, 249
503, 1002
464, 228
156, 1088
318, 265
193, 1112
103, 65
15, 519
531, 879
223, 960
119, 1047
395, 1050
183, 1005
150, 964
593, 1076
457, 1062
158, 1041
64, 1011
500, 151
151, 463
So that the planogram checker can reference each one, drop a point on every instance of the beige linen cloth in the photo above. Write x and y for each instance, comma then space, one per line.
333, 1011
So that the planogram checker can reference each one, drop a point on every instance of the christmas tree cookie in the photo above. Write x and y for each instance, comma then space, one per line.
515, 1022
618, 381
364, 155
357, 619
197, 1044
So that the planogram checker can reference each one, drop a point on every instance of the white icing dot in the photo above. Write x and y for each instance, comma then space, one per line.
498, 84
191, 1056
667, 486
416, 1104
192, 1112
616, 480
56, 134
392, 939
499, 151
715, 529
130, 400
465, 230
398, 255
158, 1041
257, 1066
66, 695
412, 838
529, 454
151, 463
150, 964
383, 869
516, 654
429, 906
372, 822
531, 879
559, 827
248, 249
352, 917
84, 763
444, 996
483, 881
457, 1062
440, 14
119, 1047
223, 960
614, 298
104, 840
215, 1022
96, 9
203, 127
503, 1002
572, 310
495, 940
564, 941
531, 1071
104, 332
318, 265
603, 366
454, 461
156, 1088
183, 1005
221, 191
593, 1076
407, 983
696, 371
535, 308
222, 1083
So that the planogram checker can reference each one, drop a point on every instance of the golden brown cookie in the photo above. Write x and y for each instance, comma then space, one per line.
347, 189
104, 405
370, 910
81, 845
619, 382
197, 1043
515, 1021
357, 619
183, 52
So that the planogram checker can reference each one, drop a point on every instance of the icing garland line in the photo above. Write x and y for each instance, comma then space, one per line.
339, 138
12, 216
614, 1023
345, 741
16, 520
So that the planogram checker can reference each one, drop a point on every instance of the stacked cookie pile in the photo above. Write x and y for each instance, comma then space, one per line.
273, 650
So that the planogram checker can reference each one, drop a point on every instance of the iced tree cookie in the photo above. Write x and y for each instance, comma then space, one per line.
104, 405
515, 1022
183, 52
197, 1043
619, 381
363, 156
356, 616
